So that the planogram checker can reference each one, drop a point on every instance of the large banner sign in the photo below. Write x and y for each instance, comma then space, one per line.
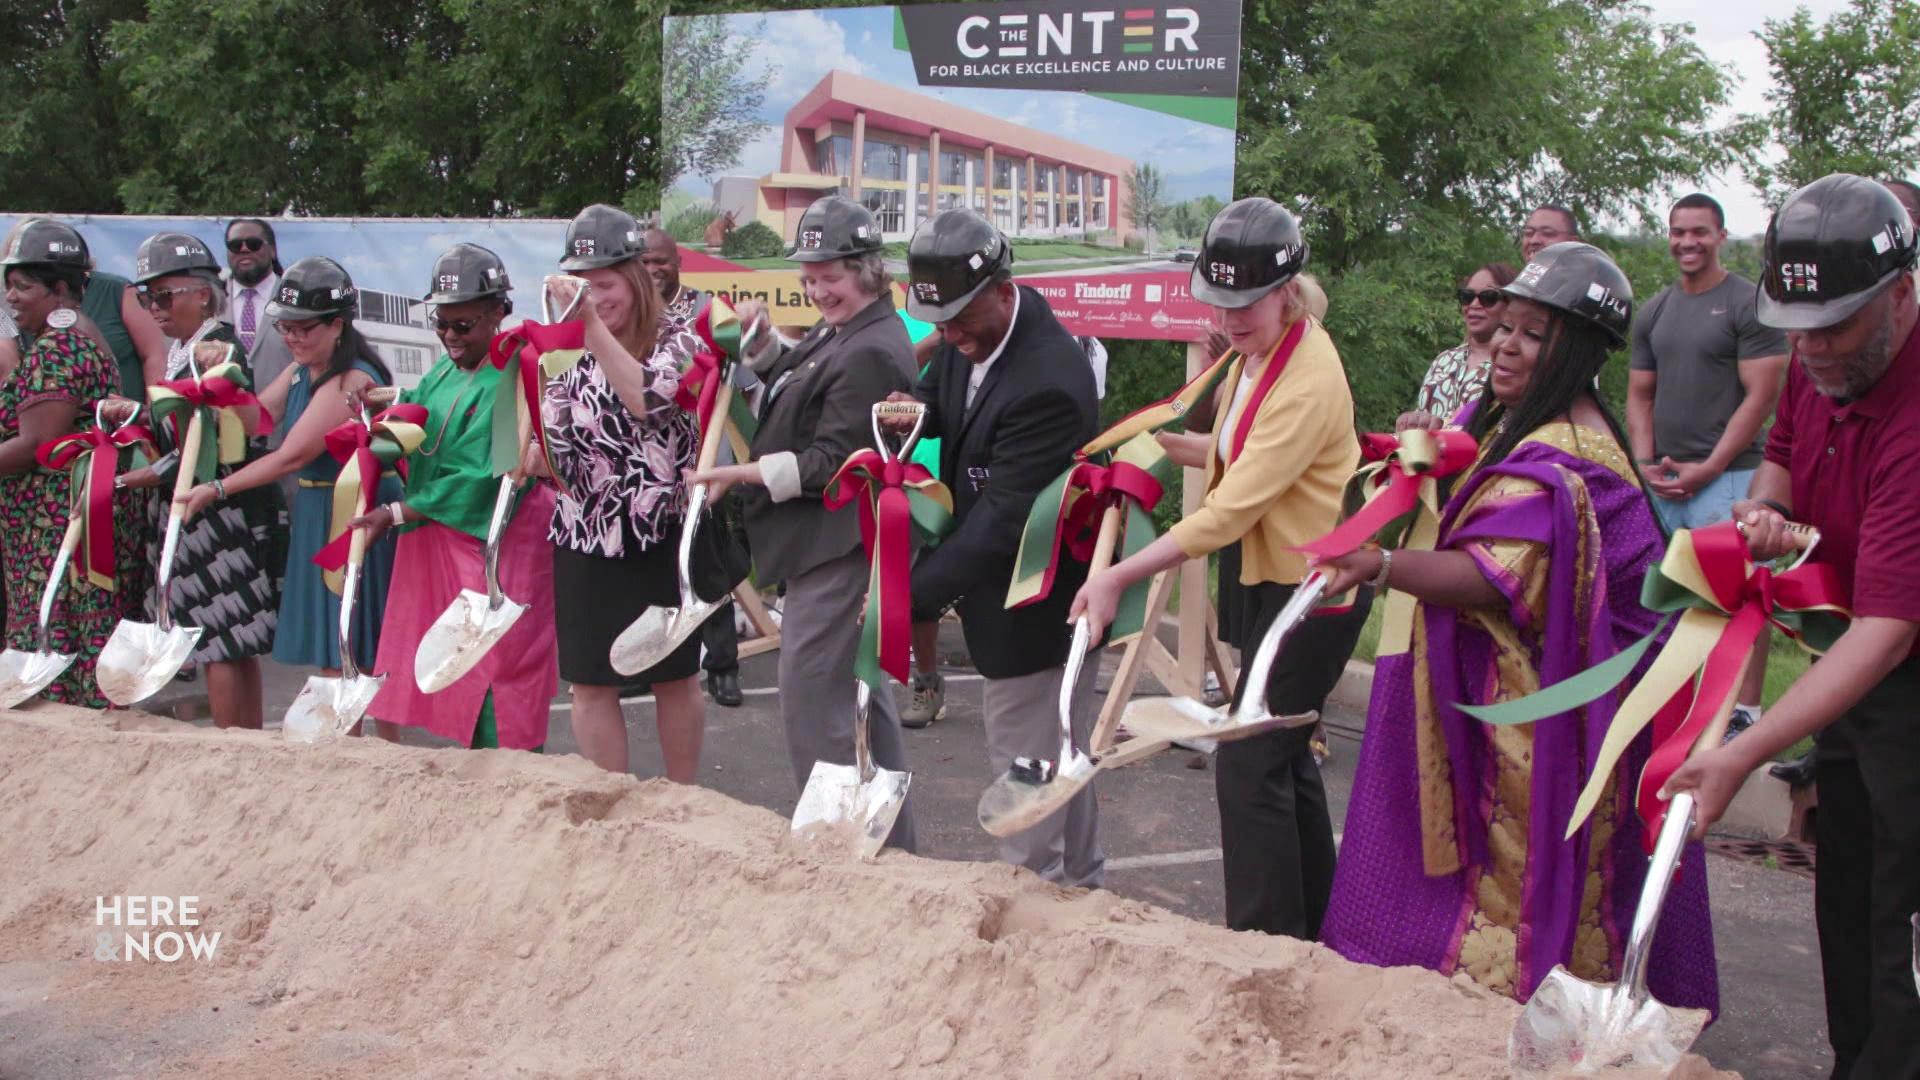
1099, 139
390, 260
1191, 50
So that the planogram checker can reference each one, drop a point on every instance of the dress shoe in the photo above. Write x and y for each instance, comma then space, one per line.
1798, 772
725, 688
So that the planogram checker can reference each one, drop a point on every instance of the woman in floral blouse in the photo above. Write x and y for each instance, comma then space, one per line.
619, 446
1459, 375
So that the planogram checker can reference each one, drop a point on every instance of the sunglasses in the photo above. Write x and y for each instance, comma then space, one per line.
298, 328
1487, 297
462, 327
154, 298
246, 243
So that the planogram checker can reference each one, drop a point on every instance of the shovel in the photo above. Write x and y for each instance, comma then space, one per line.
852, 806
474, 622
330, 706
24, 674
1572, 1025
855, 806
140, 658
1034, 789
1180, 719
658, 631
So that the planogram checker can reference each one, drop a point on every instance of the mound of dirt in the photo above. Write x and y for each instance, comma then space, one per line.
391, 912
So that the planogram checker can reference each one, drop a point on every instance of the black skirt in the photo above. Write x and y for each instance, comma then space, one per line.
595, 598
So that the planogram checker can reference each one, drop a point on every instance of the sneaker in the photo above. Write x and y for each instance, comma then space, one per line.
929, 701
1744, 717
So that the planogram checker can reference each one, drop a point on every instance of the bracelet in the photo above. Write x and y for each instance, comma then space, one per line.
398, 511
219, 489
1379, 581
1776, 507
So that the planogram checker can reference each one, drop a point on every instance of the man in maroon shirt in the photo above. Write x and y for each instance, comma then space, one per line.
1844, 457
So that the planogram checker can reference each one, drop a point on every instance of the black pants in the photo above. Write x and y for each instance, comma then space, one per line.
1276, 834
722, 641
1867, 879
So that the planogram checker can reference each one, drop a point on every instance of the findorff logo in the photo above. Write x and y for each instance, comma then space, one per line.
1086, 290
152, 927
1068, 34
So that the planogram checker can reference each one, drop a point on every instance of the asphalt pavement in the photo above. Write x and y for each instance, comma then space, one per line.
1161, 834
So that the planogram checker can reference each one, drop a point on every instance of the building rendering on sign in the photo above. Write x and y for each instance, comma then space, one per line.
908, 156
400, 329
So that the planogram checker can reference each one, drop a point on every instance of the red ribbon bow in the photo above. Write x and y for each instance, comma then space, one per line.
529, 341
1751, 596
215, 392
700, 387
886, 531
97, 487
1409, 460
354, 442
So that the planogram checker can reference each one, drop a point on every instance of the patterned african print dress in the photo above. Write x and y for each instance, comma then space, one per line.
63, 365
226, 574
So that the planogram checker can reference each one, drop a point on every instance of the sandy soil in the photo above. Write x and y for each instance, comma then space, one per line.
392, 912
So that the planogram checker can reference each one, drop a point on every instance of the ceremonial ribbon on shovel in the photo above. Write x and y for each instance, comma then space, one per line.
527, 356
903, 503
722, 337
91, 458
1723, 603
1066, 517
364, 450
1394, 500
220, 390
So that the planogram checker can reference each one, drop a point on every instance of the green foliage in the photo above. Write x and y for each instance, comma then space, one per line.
752, 241
689, 226
62, 145
1846, 95
714, 102
1146, 203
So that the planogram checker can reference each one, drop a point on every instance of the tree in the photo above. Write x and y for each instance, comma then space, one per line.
714, 105
1846, 95
61, 145
1146, 206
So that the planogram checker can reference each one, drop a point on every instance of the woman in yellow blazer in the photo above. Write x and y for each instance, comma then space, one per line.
1277, 462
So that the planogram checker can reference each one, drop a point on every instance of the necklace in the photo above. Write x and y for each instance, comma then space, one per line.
452, 410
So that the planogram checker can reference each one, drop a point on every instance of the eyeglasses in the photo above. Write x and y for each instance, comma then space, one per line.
238, 244
463, 327
1487, 297
298, 328
155, 298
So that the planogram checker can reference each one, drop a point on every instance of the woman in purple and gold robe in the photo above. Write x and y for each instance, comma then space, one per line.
1453, 856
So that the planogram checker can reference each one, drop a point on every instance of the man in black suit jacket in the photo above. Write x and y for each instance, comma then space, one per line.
1011, 398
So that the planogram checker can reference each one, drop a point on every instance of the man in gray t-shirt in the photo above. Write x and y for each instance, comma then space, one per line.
1705, 377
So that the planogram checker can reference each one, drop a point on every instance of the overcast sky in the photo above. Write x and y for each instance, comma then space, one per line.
1725, 30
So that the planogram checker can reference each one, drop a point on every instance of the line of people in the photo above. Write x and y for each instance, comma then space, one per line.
1453, 857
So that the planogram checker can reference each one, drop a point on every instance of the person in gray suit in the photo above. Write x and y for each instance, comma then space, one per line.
816, 411
253, 269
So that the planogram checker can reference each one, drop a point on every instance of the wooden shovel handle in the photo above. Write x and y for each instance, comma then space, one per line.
189, 458
710, 443
1106, 541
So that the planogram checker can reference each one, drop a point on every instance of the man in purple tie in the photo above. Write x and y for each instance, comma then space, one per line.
253, 268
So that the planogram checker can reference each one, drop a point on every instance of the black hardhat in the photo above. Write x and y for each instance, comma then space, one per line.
952, 256
1251, 247
44, 242
313, 288
601, 236
467, 272
1579, 280
1830, 249
173, 253
835, 227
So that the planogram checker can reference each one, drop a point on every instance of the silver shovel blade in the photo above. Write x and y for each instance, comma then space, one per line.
1571, 1025
653, 636
140, 658
1024, 796
329, 707
836, 810
1184, 720
24, 674
460, 637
